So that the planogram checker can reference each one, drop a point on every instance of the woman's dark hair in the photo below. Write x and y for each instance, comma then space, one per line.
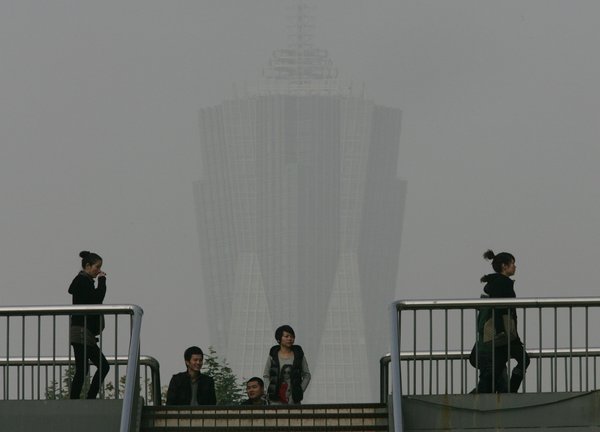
88, 257
503, 258
281, 329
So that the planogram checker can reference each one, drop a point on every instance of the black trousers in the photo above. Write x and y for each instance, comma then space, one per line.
84, 355
492, 376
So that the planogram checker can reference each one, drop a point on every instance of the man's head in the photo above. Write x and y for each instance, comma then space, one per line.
255, 388
193, 357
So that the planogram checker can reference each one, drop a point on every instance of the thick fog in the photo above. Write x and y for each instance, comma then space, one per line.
99, 140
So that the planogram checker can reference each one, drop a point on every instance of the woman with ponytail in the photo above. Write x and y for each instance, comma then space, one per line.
85, 329
497, 338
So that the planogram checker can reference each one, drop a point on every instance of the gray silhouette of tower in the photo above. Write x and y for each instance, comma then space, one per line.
299, 211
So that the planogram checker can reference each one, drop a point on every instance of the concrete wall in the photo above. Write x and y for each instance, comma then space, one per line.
60, 415
512, 412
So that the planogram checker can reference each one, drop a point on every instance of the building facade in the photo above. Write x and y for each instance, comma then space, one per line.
299, 210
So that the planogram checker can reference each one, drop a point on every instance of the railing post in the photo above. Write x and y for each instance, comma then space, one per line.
156, 393
395, 361
384, 378
131, 374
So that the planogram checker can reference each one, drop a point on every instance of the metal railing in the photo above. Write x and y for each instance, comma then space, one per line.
56, 373
437, 357
40, 332
432, 340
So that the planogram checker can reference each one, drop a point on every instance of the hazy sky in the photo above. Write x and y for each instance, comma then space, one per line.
99, 140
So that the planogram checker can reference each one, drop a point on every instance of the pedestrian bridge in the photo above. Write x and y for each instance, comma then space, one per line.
432, 380
426, 380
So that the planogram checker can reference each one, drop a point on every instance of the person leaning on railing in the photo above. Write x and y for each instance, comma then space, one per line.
497, 330
85, 329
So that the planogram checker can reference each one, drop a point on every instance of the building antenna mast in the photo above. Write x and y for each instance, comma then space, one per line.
301, 62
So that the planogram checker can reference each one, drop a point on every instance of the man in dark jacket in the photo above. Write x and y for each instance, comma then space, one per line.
192, 387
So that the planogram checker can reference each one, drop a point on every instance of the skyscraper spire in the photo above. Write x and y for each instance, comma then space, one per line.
301, 62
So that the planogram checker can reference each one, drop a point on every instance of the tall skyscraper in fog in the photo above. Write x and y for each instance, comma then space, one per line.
299, 216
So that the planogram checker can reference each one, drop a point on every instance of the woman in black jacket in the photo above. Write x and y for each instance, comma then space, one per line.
85, 328
497, 329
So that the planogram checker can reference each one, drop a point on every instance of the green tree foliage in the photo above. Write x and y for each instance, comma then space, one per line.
57, 390
229, 390
61, 390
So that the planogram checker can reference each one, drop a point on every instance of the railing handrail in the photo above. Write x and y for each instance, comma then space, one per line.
67, 309
65, 360
471, 303
145, 360
457, 354
136, 313
384, 361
